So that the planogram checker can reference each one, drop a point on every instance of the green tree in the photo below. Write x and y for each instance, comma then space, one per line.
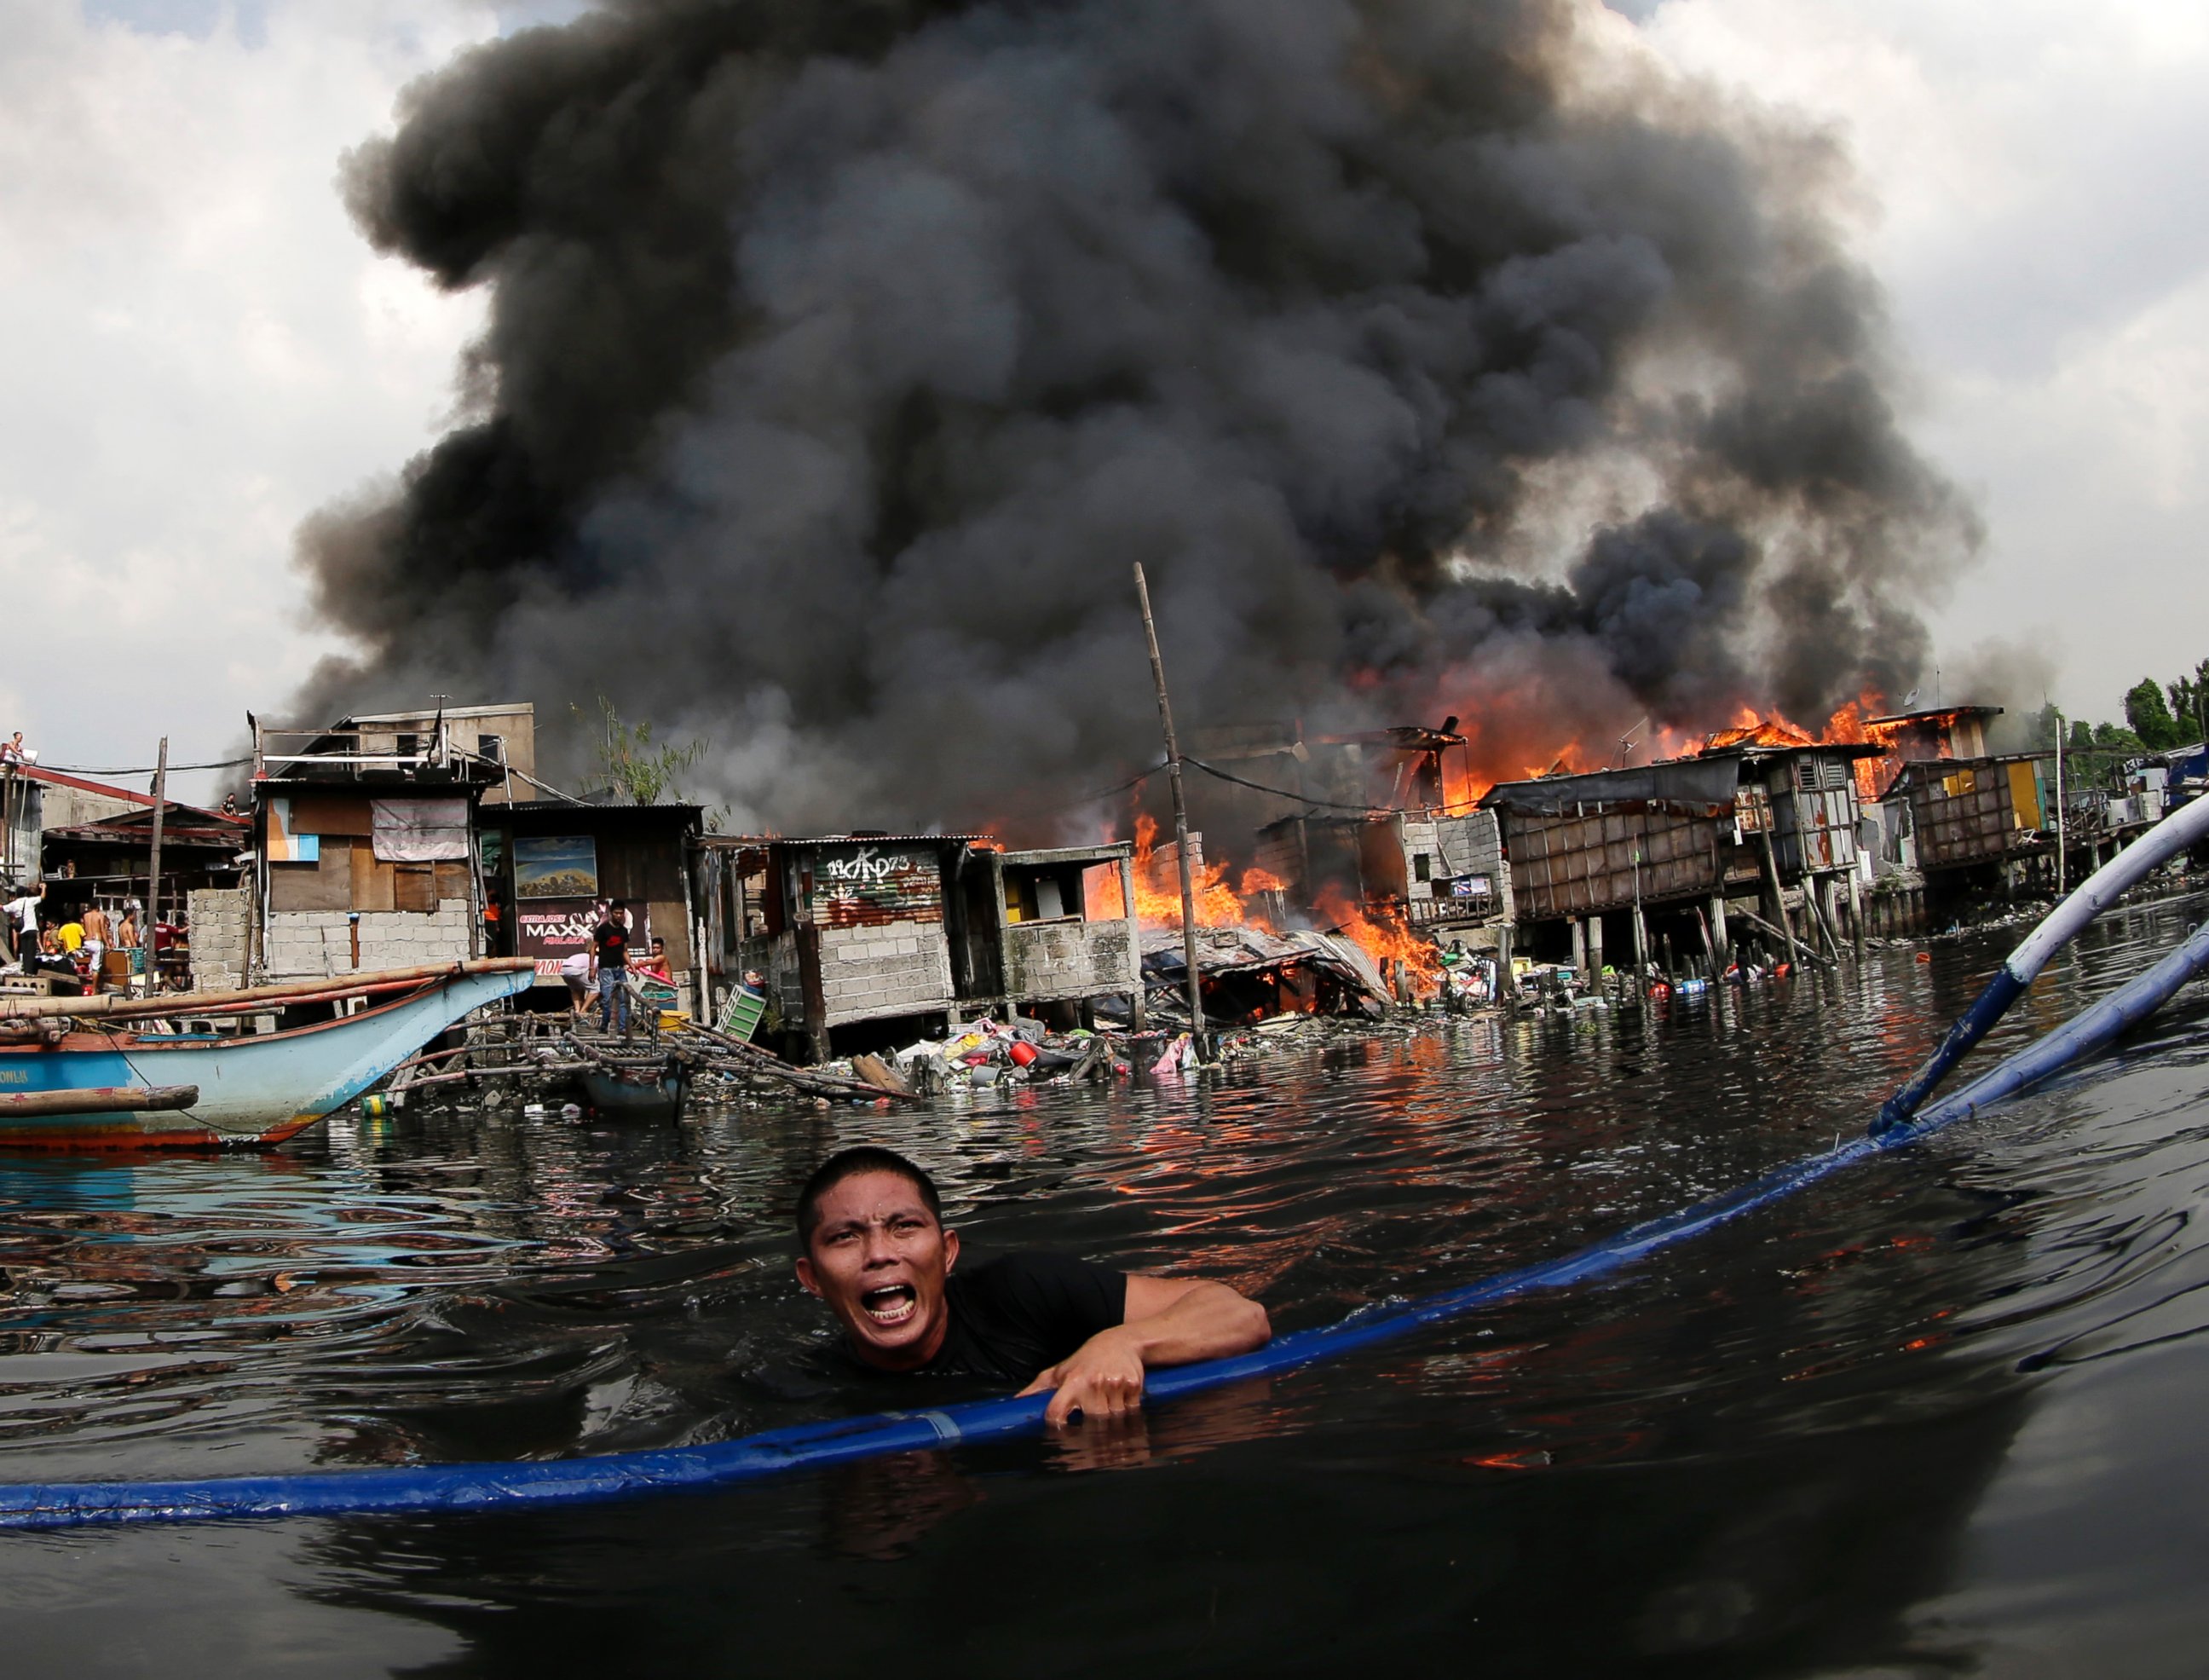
2149, 713
2108, 737
2189, 705
633, 767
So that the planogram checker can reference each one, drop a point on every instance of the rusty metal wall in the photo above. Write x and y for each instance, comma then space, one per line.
869, 884
1817, 814
1574, 865
1963, 813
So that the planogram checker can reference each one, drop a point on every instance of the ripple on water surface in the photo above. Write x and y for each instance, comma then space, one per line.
1821, 1436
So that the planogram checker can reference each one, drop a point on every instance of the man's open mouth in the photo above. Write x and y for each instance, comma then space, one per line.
893, 1303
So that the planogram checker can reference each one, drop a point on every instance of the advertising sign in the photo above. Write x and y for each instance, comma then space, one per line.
551, 931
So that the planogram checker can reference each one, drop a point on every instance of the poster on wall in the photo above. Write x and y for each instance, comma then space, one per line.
558, 866
550, 930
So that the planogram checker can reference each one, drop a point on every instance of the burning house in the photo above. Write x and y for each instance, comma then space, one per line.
1761, 818
1434, 871
1379, 840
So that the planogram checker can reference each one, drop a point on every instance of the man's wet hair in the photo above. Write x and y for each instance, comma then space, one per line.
850, 1164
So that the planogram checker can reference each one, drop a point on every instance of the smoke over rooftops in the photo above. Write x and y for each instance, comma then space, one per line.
1433, 356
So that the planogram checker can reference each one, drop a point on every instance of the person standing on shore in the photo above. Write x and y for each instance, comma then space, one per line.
23, 917
94, 921
610, 943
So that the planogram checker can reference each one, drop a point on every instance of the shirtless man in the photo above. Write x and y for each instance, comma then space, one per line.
873, 1246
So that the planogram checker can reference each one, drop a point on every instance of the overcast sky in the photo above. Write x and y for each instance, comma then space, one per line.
199, 350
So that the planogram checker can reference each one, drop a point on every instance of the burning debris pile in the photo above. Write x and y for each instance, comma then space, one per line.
1435, 355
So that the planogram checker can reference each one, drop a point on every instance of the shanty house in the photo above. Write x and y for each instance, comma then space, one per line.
547, 863
1052, 926
36, 799
1689, 834
108, 862
365, 855
850, 931
1982, 810
1953, 734
502, 735
1436, 871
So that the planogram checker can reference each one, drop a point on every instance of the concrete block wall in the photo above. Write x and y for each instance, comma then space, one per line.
313, 944
898, 968
1059, 959
218, 917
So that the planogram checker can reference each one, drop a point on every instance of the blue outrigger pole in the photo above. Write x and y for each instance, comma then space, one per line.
2186, 826
481, 1487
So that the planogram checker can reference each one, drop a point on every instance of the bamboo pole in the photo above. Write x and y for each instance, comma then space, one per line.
116, 1005
1778, 887
153, 874
99, 1099
2062, 856
1180, 824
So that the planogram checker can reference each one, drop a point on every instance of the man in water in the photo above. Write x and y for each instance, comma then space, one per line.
873, 1246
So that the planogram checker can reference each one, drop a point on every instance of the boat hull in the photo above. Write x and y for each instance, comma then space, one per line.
254, 1088
660, 1097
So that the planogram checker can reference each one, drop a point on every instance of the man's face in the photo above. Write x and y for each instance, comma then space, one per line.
879, 1259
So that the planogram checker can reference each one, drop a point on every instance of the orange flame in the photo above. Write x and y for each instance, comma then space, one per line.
1157, 887
1387, 938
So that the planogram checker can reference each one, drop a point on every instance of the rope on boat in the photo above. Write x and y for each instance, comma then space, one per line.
478, 1487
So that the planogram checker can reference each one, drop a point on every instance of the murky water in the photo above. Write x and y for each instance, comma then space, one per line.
1937, 1415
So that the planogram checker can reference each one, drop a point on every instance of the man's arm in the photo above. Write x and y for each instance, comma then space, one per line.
1168, 1321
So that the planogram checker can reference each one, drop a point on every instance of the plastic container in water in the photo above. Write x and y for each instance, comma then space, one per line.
375, 1108
1023, 1052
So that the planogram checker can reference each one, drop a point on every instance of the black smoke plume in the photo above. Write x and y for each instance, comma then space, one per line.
1433, 355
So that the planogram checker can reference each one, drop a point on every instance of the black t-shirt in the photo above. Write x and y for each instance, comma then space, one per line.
1022, 1313
612, 940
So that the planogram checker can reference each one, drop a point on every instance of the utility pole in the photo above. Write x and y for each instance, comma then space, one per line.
2063, 859
154, 872
1180, 824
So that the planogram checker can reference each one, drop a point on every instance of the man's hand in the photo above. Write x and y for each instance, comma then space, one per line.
1171, 1321
1103, 1378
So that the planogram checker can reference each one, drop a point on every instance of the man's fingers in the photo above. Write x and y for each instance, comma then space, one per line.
1044, 1381
1060, 1408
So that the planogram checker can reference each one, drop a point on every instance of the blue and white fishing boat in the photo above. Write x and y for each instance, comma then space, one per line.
96, 1073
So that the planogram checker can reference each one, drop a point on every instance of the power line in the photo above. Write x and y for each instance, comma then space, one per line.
131, 769
1281, 792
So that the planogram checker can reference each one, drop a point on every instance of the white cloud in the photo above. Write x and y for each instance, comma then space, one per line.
200, 351
2041, 232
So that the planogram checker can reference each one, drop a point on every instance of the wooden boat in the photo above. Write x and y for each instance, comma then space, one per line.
651, 1093
98, 1073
